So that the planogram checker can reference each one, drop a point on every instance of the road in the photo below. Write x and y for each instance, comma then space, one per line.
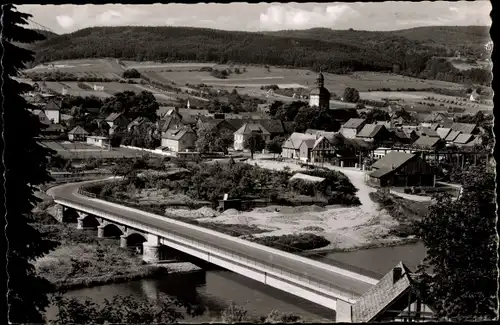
346, 285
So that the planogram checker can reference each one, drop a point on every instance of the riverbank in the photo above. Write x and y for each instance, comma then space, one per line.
83, 260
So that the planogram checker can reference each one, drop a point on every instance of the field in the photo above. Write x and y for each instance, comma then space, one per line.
79, 150
249, 81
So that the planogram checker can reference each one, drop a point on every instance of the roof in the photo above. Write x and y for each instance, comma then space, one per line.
443, 132
353, 123
52, 106
163, 110
308, 142
37, 111
401, 134
78, 130
464, 127
427, 132
308, 178
382, 295
426, 142
369, 131
138, 121
390, 162
113, 116
436, 116
452, 135
271, 125
295, 140
249, 128
176, 133
463, 138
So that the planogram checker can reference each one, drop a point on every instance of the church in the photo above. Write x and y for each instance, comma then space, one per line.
320, 96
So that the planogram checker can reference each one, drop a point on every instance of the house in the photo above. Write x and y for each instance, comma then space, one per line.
53, 129
452, 136
436, 117
42, 117
53, 111
401, 169
429, 132
463, 139
395, 298
162, 111
429, 143
467, 128
374, 133
403, 137
77, 134
168, 122
216, 125
137, 122
352, 127
116, 119
323, 150
98, 88
99, 141
382, 151
246, 131
443, 132
263, 107
305, 149
179, 139
291, 147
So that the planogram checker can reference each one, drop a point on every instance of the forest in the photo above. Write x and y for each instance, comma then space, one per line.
336, 52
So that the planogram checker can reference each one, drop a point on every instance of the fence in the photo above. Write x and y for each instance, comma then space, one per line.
267, 265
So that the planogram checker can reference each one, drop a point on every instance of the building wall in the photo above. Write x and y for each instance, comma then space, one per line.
53, 115
172, 145
76, 137
290, 153
304, 152
314, 100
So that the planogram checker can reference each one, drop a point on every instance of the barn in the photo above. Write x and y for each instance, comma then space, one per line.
401, 169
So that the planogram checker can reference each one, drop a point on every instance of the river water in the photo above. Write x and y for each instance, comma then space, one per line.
216, 288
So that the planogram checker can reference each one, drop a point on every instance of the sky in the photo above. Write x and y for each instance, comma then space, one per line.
380, 16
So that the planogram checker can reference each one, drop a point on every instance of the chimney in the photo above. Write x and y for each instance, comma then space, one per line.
397, 273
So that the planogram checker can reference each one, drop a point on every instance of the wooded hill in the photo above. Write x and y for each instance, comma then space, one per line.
332, 51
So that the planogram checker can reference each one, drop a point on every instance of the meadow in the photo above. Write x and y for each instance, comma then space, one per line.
80, 150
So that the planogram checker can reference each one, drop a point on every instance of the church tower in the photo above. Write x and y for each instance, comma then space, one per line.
320, 96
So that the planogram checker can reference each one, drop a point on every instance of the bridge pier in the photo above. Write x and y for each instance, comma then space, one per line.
150, 252
123, 241
343, 312
59, 213
100, 231
79, 220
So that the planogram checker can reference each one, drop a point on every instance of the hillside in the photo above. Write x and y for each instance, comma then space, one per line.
467, 39
340, 52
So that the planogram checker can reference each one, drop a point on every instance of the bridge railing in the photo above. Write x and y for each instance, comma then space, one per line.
247, 259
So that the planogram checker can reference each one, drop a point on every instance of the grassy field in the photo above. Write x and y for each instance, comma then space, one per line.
76, 150
73, 89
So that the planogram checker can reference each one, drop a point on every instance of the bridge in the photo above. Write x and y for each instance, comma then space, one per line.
332, 287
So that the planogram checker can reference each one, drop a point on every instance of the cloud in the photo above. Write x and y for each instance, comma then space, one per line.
283, 17
66, 22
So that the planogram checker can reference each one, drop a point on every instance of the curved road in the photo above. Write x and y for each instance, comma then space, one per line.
347, 285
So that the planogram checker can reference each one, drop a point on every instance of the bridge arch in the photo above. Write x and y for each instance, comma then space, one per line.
135, 239
111, 230
90, 221
69, 215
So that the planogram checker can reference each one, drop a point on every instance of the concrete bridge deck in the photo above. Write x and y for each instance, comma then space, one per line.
336, 281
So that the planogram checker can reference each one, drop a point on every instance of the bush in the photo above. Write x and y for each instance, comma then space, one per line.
293, 243
131, 73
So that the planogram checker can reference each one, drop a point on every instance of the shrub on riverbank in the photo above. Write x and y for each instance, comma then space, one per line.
405, 211
293, 243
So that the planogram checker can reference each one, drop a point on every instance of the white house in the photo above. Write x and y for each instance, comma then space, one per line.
99, 141
53, 111
98, 88
245, 131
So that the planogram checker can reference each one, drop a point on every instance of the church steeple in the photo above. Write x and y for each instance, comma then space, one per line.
320, 80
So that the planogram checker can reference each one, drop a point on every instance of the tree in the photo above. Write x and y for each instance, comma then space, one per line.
461, 250
234, 314
131, 73
274, 145
24, 168
255, 143
223, 141
316, 118
377, 115
351, 95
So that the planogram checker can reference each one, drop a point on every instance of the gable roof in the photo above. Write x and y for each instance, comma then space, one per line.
452, 135
248, 128
463, 138
390, 162
435, 117
443, 132
373, 302
353, 123
423, 131
309, 143
370, 130
138, 121
52, 106
464, 127
163, 110
271, 125
426, 142
112, 117
78, 130
295, 140
176, 133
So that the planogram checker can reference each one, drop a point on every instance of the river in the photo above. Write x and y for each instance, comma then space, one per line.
216, 288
